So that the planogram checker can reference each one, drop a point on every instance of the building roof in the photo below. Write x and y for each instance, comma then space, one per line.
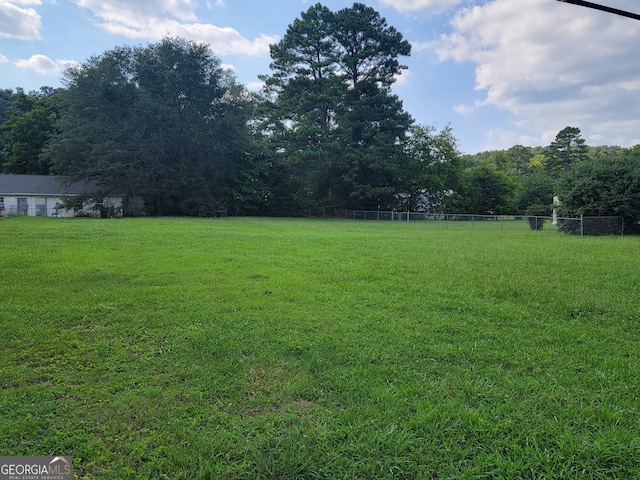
13, 184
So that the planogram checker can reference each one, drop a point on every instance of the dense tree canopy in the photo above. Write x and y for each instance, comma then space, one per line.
167, 122
486, 191
536, 193
603, 188
163, 121
431, 170
30, 122
590, 181
7, 97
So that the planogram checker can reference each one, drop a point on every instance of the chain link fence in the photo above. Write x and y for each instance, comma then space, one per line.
577, 226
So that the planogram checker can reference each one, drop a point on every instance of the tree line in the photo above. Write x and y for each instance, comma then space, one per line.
167, 122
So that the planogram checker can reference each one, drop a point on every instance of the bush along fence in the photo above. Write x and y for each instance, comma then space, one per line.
577, 226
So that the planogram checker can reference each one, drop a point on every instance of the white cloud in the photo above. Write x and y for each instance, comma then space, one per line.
3, 59
552, 63
43, 65
464, 110
135, 11
17, 22
153, 20
503, 138
422, 46
254, 86
499, 139
402, 77
434, 6
223, 41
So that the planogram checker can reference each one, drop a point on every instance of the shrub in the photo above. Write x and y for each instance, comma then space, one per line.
535, 215
604, 188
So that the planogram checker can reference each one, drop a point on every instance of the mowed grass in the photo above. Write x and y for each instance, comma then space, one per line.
247, 348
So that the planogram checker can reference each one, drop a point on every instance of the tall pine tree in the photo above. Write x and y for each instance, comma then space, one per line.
567, 149
332, 118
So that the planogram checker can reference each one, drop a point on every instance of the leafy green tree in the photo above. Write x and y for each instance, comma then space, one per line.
535, 197
519, 159
330, 114
566, 150
163, 121
486, 191
599, 187
513, 162
7, 97
606, 153
31, 120
496, 159
538, 162
431, 171
475, 159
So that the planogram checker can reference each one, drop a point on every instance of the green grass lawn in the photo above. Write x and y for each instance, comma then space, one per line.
248, 348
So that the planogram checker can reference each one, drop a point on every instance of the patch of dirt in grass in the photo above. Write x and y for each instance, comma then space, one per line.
273, 389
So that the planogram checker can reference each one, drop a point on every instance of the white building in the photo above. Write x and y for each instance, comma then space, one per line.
39, 195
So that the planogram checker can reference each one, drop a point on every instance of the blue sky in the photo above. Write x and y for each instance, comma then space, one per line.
500, 72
